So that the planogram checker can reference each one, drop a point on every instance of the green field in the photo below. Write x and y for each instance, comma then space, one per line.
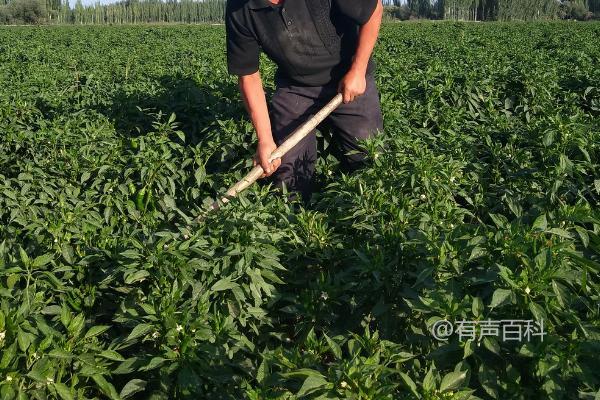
481, 203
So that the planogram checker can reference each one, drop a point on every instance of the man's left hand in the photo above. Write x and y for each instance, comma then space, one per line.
354, 84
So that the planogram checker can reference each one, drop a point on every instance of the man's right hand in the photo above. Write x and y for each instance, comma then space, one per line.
263, 152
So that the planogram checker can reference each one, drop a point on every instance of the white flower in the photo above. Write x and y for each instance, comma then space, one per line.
324, 296
179, 328
49, 380
344, 384
155, 335
55, 240
110, 190
527, 290
166, 246
2, 335
9, 378
186, 237
452, 179
423, 197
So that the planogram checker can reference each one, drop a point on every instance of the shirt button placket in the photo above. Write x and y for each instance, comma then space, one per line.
287, 21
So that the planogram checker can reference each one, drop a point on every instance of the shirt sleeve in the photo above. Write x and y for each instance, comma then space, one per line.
243, 50
360, 11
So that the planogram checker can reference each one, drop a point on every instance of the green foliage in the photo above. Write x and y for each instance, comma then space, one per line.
575, 10
481, 202
23, 12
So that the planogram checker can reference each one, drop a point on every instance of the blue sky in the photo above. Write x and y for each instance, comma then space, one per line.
89, 2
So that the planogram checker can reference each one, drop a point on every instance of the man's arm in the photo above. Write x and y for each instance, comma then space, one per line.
243, 60
354, 83
253, 94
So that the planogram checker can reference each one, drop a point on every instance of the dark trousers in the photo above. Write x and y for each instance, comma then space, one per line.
293, 105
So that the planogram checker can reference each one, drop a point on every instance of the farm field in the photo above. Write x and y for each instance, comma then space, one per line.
481, 203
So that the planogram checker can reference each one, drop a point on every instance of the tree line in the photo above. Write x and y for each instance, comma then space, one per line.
212, 11
493, 10
122, 12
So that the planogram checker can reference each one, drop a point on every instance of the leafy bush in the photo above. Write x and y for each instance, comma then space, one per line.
575, 10
23, 12
5, 15
401, 13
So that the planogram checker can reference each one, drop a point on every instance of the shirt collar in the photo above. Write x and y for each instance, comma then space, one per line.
258, 4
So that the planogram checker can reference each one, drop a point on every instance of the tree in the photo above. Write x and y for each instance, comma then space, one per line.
23, 12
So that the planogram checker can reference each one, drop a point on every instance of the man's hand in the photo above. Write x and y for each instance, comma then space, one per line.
354, 84
263, 152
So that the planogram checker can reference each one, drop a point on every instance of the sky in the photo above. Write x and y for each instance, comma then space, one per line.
90, 2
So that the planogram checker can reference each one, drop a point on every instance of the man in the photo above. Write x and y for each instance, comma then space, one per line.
321, 47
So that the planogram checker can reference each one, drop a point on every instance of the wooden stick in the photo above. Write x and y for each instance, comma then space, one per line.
286, 146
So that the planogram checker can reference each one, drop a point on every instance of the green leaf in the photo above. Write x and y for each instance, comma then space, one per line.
538, 311
491, 344
131, 254
261, 372
42, 260
477, 307
96, 330
138, 331
409, 383
334, 347
84, 177
107, 388
65, 315
561, 232
548, 138
270, 275
132, 387
170, 202
24, 256
583, 261
37, 374
499, 220
154, 363
67, 253
501, 297
469, 348
583, 235
453, 381
488, 379
137, 276
561, 292
111, 355
200, 175
223, 284
313, 384
429, 383
540, 223
23, 339
63, 391
61, 354
76, 325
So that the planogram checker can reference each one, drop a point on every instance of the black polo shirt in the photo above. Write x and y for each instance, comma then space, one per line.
310, 48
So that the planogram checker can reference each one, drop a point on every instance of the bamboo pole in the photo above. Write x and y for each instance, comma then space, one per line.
286, 146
